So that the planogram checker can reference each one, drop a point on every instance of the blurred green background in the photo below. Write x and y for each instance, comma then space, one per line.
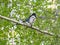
48, 19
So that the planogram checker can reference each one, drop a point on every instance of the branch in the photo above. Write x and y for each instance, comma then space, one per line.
23, 24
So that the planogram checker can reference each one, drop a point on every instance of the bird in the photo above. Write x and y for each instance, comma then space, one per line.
31, 19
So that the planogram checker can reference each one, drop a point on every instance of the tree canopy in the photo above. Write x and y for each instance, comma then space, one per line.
48, 21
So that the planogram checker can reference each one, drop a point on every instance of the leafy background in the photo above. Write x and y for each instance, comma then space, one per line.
48, 19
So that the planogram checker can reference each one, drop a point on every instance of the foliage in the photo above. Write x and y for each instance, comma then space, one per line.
48, 19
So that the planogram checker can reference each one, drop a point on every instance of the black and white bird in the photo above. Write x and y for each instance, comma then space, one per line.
30, 20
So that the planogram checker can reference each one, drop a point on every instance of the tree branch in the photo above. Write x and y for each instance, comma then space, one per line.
23, 24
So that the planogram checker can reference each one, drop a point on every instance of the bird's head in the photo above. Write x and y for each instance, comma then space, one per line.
33, 15
32, 18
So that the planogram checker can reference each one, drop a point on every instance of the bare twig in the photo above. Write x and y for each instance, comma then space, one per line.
35, 28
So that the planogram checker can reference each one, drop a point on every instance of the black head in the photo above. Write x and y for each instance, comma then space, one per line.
33, 15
